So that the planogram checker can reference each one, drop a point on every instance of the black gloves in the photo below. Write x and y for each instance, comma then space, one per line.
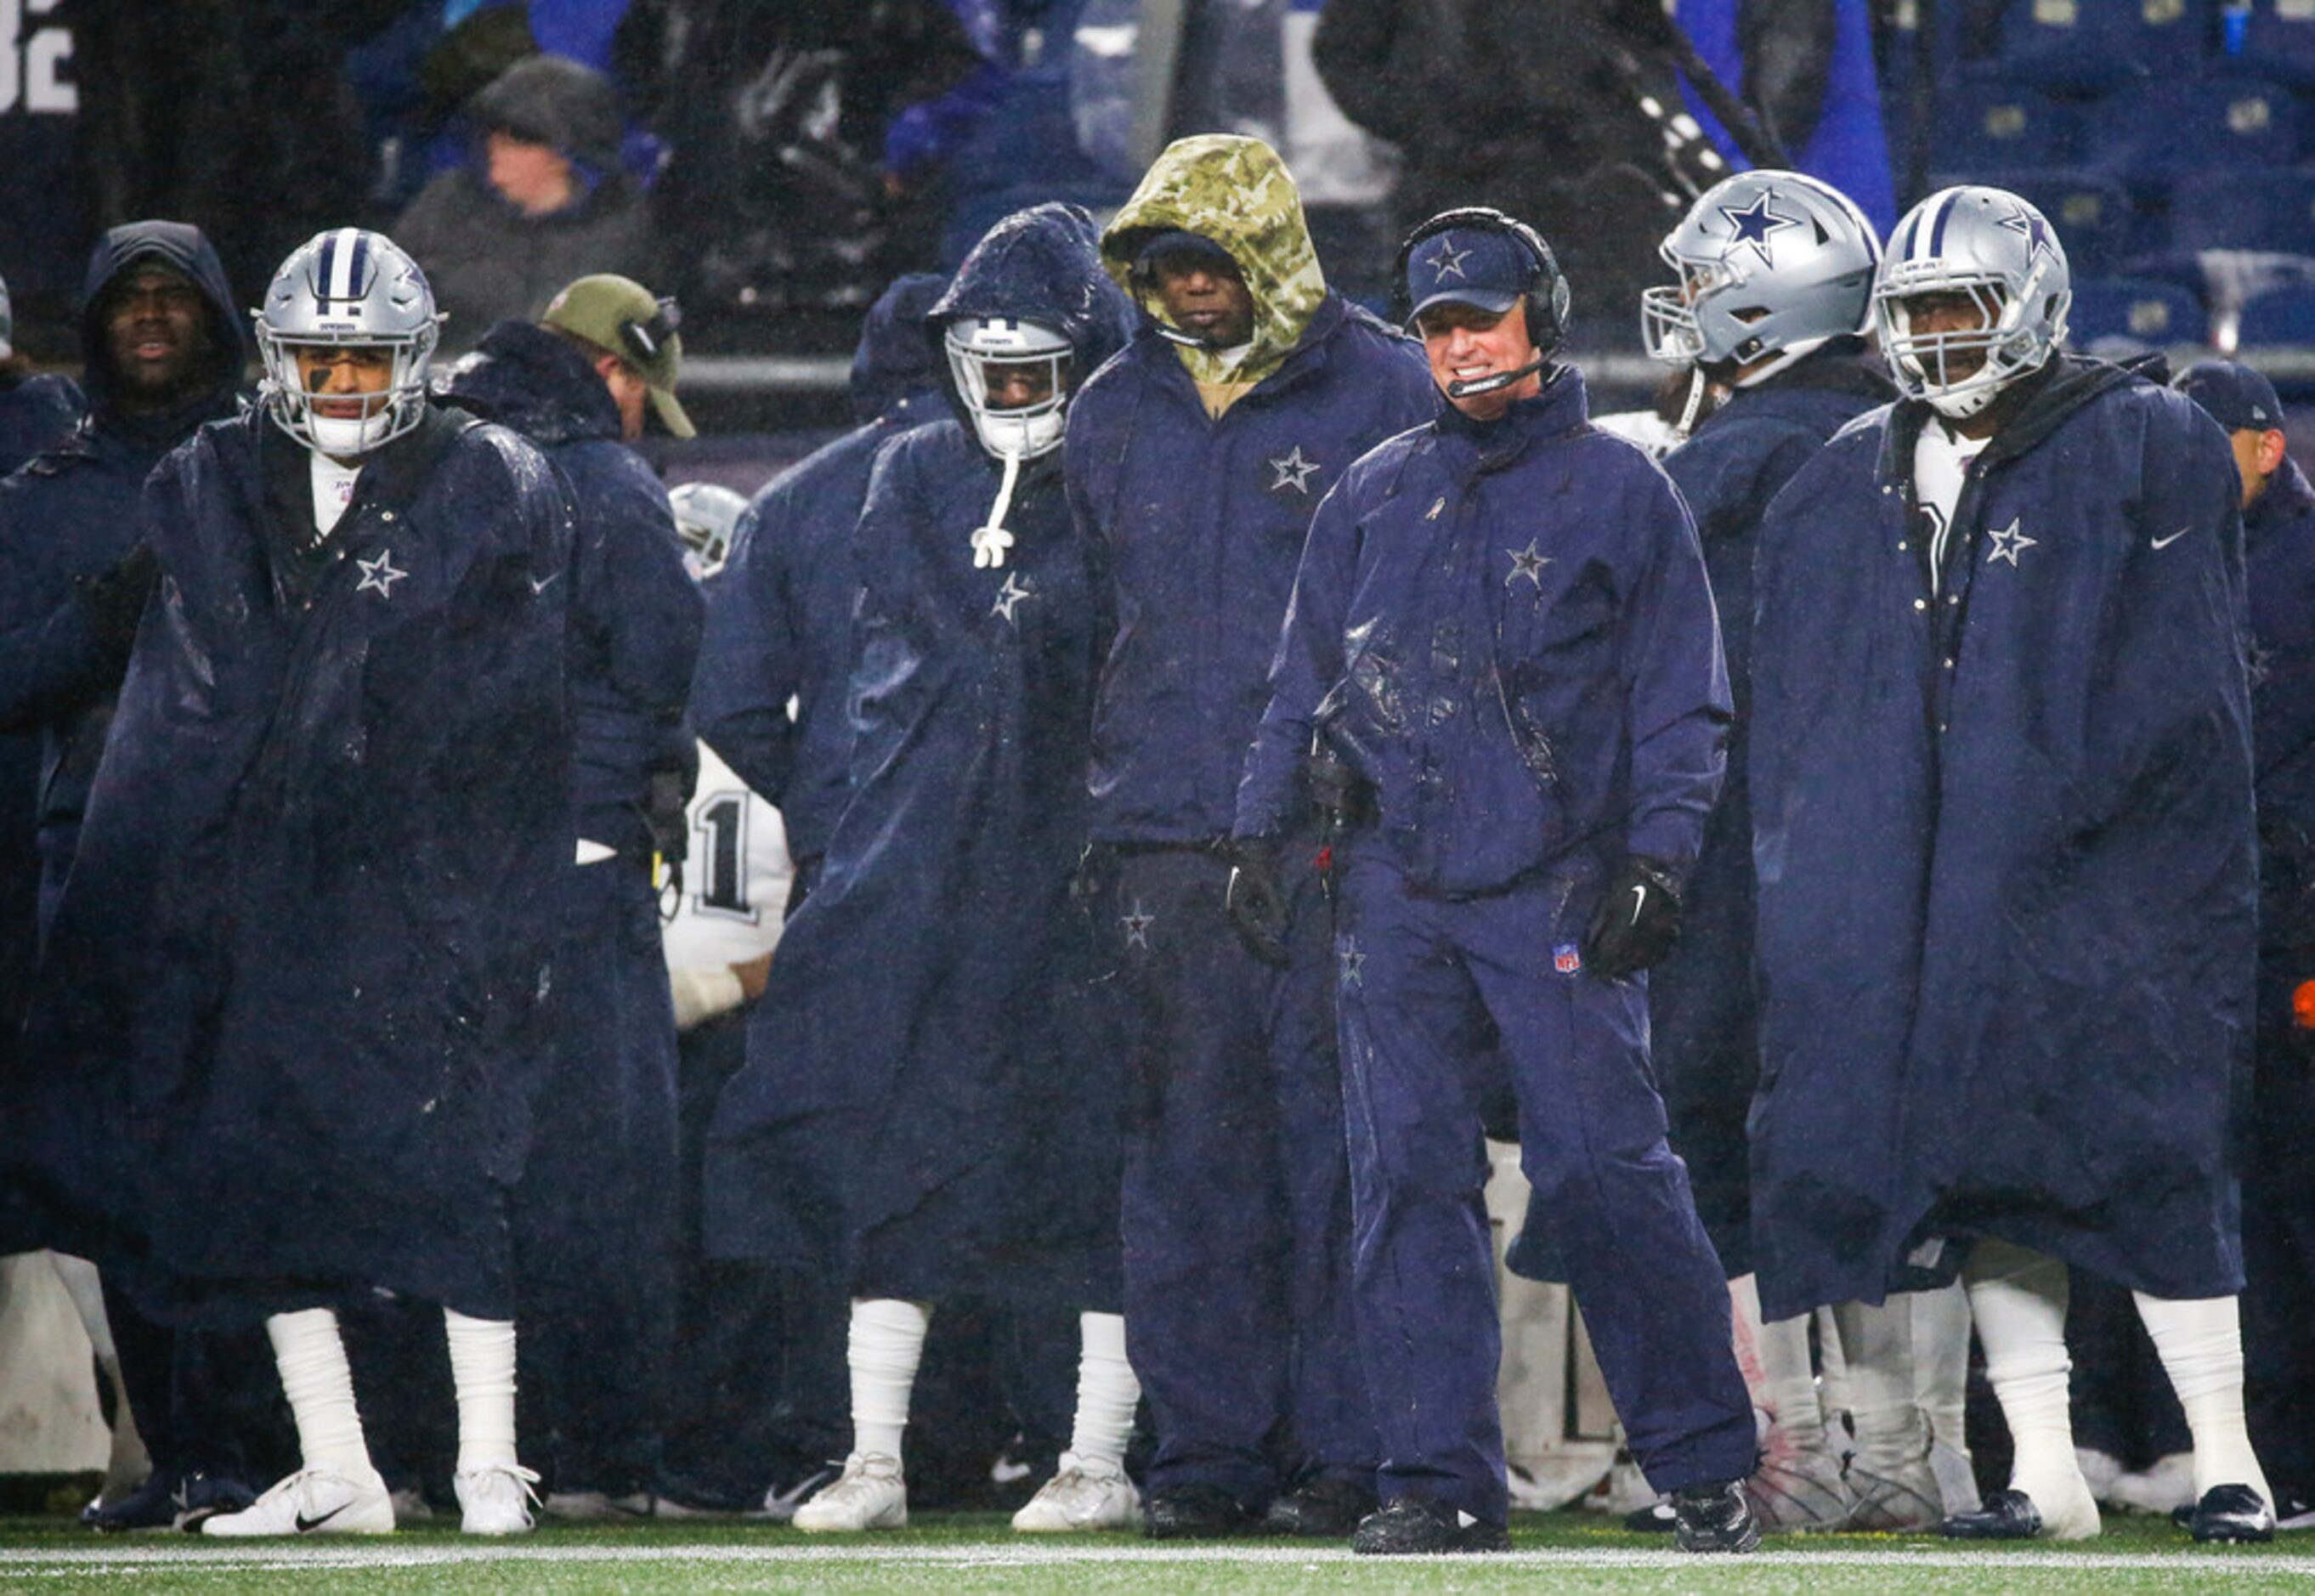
112, 601
1257, 907
663, 813
1635, 922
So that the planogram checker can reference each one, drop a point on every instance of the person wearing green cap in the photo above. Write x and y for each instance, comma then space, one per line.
579, 384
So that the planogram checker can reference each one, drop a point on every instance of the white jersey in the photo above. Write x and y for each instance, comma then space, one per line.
735, 884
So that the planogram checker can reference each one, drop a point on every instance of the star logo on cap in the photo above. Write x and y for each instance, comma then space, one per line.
1293, 471
1755, 226
379, 574
2007, 542
1526, 563
1009, 597
1448, 262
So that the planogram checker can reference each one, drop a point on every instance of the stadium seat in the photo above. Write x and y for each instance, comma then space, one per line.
2087, 46
2172, 127
1983, 125
2099, 225
2139, 309
2279, 316
2244, 210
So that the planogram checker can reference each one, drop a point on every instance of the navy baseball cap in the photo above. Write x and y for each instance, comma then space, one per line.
1485, 267
2237, 397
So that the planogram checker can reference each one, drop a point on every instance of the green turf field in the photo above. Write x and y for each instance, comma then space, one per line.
975, 1552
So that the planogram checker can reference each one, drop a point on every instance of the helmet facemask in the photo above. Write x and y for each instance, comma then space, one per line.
1994, 250
347, 289
2004, 346
986, 354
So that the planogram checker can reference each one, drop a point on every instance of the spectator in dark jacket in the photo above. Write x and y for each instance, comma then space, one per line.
545, 200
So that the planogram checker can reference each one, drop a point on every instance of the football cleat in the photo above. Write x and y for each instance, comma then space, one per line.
1197, 1512
170, 1501
1715, 1518
1793, 1490
1894, 1497
496, 1499
1418, 1526
597, 1507
2230, 1514
870, 1495
1081, 1496
2013, 1515
322, 1500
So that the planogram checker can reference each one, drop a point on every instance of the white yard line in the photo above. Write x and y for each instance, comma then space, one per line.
350, 1554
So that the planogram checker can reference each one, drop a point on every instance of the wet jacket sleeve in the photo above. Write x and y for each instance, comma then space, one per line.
51, 660
750, 656
643, 602
1675, 681
1307, 665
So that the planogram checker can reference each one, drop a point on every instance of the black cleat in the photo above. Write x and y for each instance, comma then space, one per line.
2007, 1515
2228, 1513
1416, 1526
1197, 1512
1325, 1509
1715, 1518
1657, 1518
170, 1501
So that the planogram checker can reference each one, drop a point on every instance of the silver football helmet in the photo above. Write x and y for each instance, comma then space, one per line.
706, 514
981, 350
1999, 250
1767, 264
348, 287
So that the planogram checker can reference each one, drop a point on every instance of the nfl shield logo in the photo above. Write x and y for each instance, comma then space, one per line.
1566, 959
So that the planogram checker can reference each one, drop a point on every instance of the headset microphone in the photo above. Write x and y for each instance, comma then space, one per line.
1497, 382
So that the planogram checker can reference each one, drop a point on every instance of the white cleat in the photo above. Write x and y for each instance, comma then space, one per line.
318, 1501
871, 1495
1081, 1496
496, 1499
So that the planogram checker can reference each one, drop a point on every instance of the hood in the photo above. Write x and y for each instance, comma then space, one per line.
555, 101
182, 247
1043, 264
1236, 191
526, 378
894, 359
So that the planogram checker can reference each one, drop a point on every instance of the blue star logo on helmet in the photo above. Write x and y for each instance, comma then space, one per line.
1448, 262
1755, 226
2029, 225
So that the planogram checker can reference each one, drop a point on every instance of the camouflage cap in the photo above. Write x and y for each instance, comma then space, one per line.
620, 315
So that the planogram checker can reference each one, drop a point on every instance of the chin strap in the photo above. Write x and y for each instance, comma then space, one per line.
990, 542
1698, 385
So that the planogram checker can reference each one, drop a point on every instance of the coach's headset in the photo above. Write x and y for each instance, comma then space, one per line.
1544, 302
645, 340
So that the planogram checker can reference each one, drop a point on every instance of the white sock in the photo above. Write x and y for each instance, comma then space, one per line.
1876, 1346
887, 1341
320, 1387
1107, 1391
2200, 1341
482, 1370
1788, 1383
1941, 1361
2020, 1299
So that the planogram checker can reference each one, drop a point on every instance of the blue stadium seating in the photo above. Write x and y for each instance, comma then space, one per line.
2279, 316
1987, 126
2138, 308
2232, 209
2174, 126
2093, 213
2087, 46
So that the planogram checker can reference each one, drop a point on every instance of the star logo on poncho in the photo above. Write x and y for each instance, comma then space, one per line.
1448, 262
1754, 226
2261, 664
379, 574
2007, 542
1137, 926
1355, 965
1526, 563
1293, 471
2030, 226
1009, 597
